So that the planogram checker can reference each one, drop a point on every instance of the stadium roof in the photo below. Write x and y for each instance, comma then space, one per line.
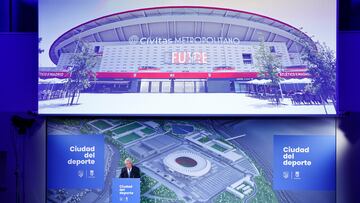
179, 21
199, 168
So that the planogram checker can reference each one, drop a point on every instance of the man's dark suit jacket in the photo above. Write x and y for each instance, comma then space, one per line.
135, 173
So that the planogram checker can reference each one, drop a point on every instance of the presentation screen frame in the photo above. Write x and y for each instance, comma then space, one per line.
138, 63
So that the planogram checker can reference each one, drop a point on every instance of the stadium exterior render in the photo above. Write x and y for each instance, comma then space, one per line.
187, 164
179, 49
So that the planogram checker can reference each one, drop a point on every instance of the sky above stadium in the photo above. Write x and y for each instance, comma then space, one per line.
316, 18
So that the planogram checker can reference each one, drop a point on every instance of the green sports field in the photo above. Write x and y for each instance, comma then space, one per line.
218, 147
126, 128
147, 131
115, 121
204, 139
128, 138
102, 125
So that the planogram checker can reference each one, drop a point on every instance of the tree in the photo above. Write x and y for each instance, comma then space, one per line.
321, 63
39, 49
270, 67
81, 70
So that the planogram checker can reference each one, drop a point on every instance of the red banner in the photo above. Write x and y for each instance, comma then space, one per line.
294, 75
169, 75
47, 74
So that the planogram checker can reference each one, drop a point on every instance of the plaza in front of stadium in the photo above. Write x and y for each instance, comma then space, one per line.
208, 68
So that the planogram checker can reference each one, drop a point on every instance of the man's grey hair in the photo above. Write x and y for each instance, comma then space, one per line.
128, 160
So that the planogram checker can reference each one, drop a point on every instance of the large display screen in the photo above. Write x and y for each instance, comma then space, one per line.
182, 160
187, 57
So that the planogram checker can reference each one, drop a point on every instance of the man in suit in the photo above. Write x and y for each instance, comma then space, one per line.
129, 171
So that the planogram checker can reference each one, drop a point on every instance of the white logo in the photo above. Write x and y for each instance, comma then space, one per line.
133, 39
297, 174
92, 173
286, 174
80, 173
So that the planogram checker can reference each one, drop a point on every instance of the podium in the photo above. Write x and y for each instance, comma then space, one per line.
125, 190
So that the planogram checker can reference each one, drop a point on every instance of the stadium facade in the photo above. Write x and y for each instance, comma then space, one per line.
179, 49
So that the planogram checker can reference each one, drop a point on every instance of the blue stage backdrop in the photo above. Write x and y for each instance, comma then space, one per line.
304, 162
75, 161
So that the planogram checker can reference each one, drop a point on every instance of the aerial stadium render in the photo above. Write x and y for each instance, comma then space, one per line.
148, 50
187, 164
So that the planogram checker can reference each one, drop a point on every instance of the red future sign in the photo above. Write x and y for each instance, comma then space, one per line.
185, 57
